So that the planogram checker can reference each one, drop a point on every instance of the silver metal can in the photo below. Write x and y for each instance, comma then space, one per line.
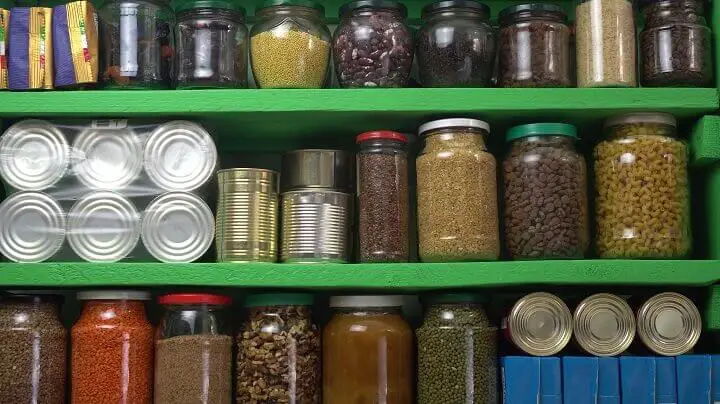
539, 324
33, 227
180, 156
669, 324
318, 168
178, 227
247, 215
103, 226
316, 226
604, 325
107, 159
34, 155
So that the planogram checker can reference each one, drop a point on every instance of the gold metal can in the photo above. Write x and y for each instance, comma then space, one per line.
539, 324
604, 325
669, 324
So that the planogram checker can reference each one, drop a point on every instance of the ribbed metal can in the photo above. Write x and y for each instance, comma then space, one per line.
318, 169
669, 324
107, 159
539, 324
316, 226
246, 222
604, 325
33, 227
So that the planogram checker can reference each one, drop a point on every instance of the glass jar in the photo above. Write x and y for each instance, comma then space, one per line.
112, 349
137, 43
457, 352
545, 193
367, 352
456, 44
675, 44
383, 199
456, 193
33, 352
193, 350
372, 47
278, 358
211, 45
605, 43
534, 46
641, 179
290, 45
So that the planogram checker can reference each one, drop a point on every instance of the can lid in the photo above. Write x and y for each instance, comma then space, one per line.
302, 3
34, 227
113, 295
279, 299
541, 129
517, 8
195, 298
387, 4
604, 325
453, 123
540, 324
107, 158
216, 4
445, 4
454, 298
381, 134
641, 117
669, 324
367, 301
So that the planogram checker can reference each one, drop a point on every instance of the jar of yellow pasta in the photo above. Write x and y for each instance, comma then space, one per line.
642, 203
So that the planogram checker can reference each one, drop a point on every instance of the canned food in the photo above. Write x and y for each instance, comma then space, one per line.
34, 155
107, 159
669, 324
604, 325
178, 227
316, 226
180, 156
103, 226
540, 324
318, 168
33, 227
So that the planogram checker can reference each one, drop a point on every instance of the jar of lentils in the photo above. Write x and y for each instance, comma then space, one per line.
290, 45
534, 46
675, 45
641, 179
545, 182
211, 45
457, 193
372, 47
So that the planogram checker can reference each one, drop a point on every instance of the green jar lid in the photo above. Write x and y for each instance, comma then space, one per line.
517, 8
217, 4
541, 129
279, 299
7, 4
302, 3
454, 298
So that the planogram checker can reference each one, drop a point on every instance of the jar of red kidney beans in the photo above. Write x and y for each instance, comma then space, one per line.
372, 47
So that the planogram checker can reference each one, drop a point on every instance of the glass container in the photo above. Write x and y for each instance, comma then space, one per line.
642, 202
193, 350
545, 182
372, 47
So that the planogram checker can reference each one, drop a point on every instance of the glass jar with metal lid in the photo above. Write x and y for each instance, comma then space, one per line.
372, 47
456, 44
457, 352
290, 44
457, 192
534, 48
138, 43
604, 325
193, 350
545, 182
669, 324
642, 203
539, 324
212, 43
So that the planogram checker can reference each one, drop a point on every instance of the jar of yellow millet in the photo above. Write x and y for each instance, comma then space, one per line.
642, 203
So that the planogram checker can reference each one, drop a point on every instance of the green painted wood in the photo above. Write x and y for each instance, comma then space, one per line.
705, 141
712, 212
712, 312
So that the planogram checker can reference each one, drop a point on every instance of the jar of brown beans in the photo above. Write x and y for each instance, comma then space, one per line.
642, 205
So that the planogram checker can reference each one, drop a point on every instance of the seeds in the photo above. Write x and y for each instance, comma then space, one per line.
194, 369
284, 58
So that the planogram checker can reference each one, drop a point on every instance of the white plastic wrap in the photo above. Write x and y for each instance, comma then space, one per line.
105, 191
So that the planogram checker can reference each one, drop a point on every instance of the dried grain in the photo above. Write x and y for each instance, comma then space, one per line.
284, 58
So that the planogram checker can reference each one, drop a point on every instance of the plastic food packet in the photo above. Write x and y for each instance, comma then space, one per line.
4, 19
30, 62
75, 44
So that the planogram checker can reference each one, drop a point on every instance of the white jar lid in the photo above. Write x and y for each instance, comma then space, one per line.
113, 295
453, 123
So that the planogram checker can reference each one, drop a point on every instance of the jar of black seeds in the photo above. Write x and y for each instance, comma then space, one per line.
675, 45
457, 352
383, 197
211, 45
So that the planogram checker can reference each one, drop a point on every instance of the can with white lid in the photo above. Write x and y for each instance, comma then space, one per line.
669, 324
107, 159
539, 324
33, 227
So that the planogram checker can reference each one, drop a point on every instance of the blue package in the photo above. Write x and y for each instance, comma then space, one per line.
715, 381
531, 380
665, 381
580, 380
608, 381
637, 375
550, 380
693, 379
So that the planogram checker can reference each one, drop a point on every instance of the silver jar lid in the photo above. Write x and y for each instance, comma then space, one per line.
318, 168
669, 324
113, 295
641, 117
453, 123
604, 325
33, 227
108, 159
540, 324
367, 301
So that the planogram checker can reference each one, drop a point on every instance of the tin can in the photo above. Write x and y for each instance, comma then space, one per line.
604, 325
34, 155
669, 324
107, 159
33, 227
316, 226
318, 168
247, 215
178, 227
539, 324
180, 156
103, 226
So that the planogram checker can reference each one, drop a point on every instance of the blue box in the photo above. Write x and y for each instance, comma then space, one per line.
693, 379
580, 380
715, 381
637, 379
531, 380
608, 381
665, 381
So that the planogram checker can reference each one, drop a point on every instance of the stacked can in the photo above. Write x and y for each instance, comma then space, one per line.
539, 324
669, 324
604, 325
247, 215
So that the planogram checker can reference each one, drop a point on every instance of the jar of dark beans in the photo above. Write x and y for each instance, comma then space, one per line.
675, 44
138, 43
372, 47
383, 197
546, 213
211, 45
456, 44
534, 46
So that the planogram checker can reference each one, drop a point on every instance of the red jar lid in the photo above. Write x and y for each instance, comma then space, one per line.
195, 298
381, 134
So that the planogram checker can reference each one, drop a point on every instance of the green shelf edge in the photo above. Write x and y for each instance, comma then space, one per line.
712, 312
705, 141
